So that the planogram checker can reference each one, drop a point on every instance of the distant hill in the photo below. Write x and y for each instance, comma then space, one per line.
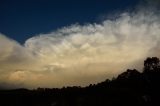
131, 88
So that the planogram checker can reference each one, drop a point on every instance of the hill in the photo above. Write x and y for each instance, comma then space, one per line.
131, 88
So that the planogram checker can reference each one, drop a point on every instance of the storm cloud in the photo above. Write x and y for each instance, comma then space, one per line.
81, 54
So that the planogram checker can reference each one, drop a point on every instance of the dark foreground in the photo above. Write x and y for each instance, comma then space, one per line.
130, 88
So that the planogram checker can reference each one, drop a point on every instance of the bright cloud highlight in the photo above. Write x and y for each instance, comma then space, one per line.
80, 55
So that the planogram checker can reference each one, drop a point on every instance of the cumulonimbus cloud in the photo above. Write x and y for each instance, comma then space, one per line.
79, 55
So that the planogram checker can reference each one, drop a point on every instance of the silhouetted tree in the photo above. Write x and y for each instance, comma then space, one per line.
131, 88
151, 64
129, 74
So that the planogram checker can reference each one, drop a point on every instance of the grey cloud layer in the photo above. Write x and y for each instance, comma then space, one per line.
79, 55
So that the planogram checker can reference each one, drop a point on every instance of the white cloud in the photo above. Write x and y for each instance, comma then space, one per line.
79, 55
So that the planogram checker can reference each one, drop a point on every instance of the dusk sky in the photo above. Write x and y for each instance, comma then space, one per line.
22, 19
56, 43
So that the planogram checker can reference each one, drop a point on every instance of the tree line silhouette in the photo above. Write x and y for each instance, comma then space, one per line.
130, 88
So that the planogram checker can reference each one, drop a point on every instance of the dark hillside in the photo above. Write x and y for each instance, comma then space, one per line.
131, 88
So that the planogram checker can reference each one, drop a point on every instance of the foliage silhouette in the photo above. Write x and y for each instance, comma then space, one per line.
131, 88
151, 64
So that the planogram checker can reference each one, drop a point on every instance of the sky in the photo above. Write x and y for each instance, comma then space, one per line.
56, 43
22, 19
